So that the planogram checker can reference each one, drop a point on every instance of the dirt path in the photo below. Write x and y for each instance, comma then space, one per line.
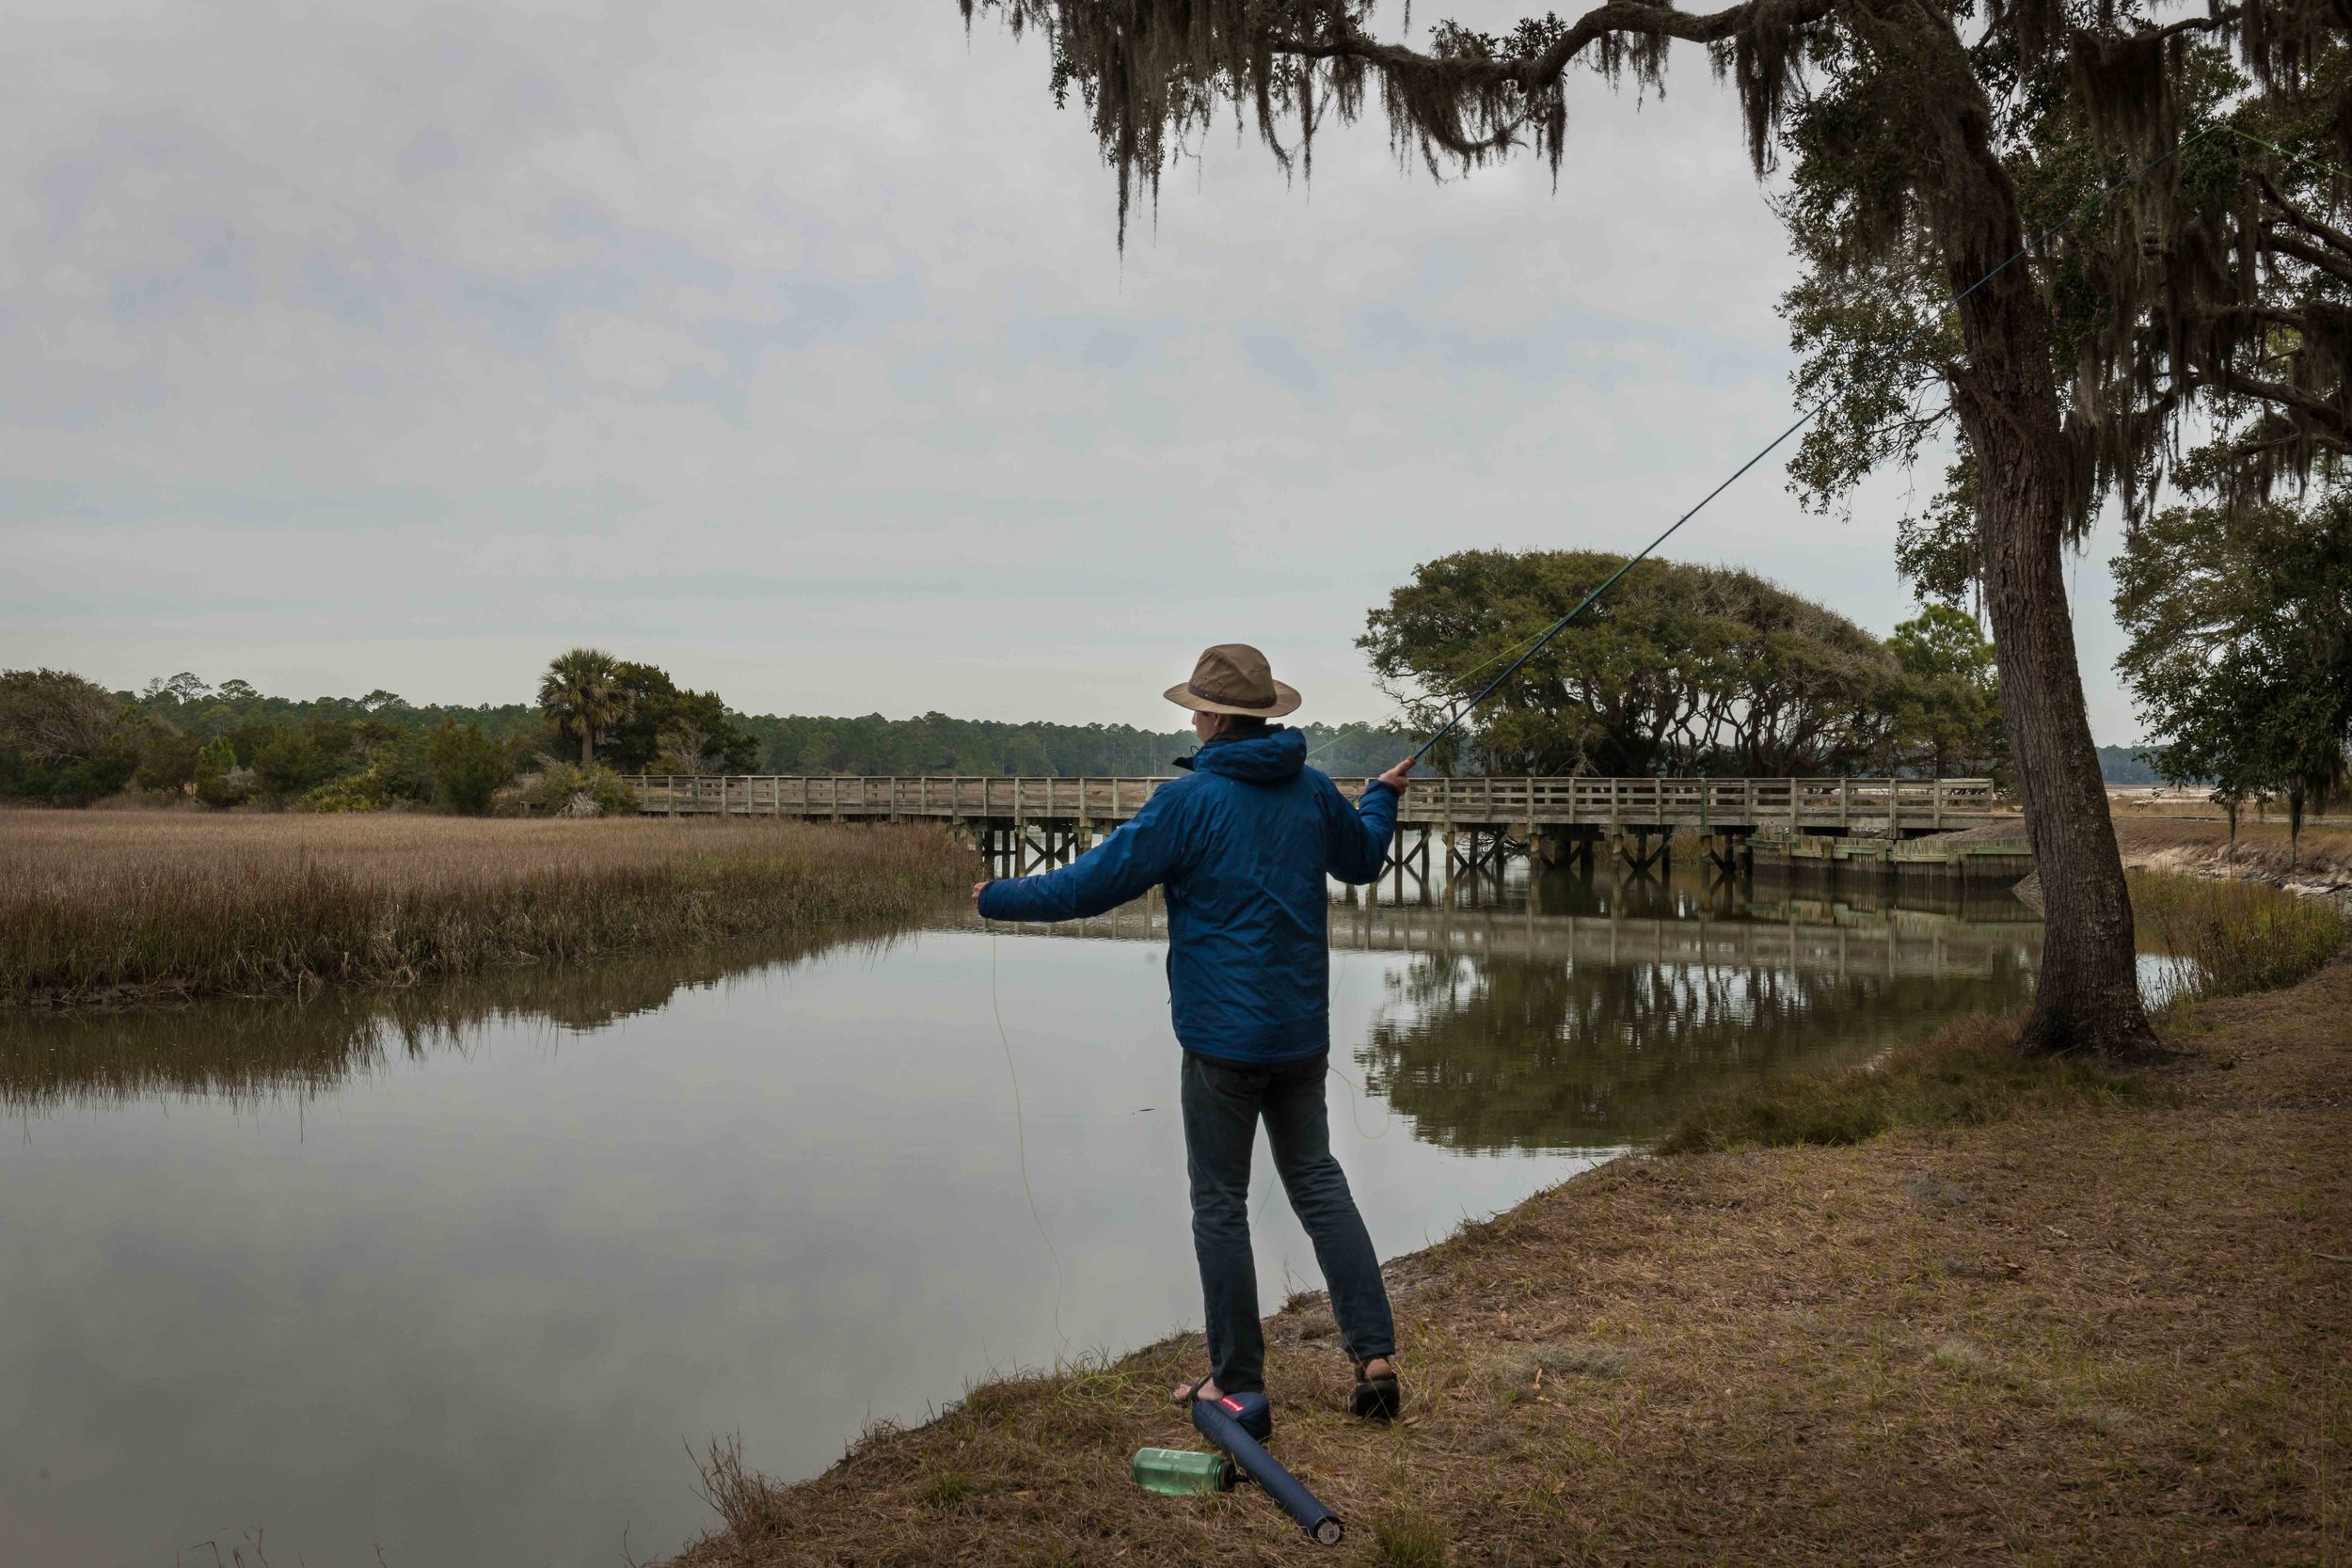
2099, 1337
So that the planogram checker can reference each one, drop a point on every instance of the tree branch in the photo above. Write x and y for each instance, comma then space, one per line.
1531, 72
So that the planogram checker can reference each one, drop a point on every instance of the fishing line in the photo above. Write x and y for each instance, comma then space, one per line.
1536, 643
1355, 1098
2281, 151
1021, 1136
2032, 244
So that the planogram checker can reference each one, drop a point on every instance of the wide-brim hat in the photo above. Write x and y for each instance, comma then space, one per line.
1235, 677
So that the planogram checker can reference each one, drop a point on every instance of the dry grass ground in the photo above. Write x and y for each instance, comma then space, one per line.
2111, 1328
122, 905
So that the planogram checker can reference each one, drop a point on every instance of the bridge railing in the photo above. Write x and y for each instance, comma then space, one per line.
1745, 802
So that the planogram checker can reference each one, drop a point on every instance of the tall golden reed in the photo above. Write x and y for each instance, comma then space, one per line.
117, 906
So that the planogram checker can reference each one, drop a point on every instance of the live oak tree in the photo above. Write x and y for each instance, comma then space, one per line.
667, 729
1907, 121
1682, 669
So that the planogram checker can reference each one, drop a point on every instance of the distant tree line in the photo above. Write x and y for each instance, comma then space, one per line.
1685, 668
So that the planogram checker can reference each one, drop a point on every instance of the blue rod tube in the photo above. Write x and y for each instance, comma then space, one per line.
1321, 1524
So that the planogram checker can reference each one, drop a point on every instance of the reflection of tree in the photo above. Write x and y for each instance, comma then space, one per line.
254, 1050
1494, 1052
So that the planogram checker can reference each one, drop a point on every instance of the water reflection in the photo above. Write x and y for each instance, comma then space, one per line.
243, 1051
1575, 1012
452, 1271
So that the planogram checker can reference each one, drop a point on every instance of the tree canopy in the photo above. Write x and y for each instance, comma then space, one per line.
2240, 657
1683, 668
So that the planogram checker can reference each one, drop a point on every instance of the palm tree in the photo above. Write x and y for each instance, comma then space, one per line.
581, 694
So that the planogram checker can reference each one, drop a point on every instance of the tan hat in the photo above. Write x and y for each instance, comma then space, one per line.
1235, 677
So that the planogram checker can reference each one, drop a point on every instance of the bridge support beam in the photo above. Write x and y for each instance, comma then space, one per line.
1571, 846
1633, 848
1727, 852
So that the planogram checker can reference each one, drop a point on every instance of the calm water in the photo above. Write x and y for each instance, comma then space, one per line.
453, 1275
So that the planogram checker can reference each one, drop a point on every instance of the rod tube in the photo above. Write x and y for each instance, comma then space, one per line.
1321, 1524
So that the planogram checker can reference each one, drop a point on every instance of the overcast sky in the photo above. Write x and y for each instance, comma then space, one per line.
787, 345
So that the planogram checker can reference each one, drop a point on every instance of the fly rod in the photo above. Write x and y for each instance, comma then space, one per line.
2031, 245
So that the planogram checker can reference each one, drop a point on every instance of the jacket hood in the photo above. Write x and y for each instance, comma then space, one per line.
1268, 758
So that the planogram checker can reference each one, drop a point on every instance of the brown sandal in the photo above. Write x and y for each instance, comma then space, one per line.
1376, 1398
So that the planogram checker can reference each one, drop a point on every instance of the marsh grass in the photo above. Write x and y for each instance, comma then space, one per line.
2230, 938
123, 907
751, 1508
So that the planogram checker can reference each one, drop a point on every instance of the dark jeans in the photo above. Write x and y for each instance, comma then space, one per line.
1223, 1102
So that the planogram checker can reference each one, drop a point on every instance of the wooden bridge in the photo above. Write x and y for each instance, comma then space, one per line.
1479, 820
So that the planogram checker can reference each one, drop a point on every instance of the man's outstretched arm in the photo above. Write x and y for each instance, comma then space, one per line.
1356, 840
1135, 856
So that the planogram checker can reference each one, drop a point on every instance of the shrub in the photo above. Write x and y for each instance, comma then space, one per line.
219, 782
468, 765
564, 789
288, 764
168, 760
358, 792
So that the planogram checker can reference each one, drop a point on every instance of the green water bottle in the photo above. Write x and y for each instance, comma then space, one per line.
1176, 1473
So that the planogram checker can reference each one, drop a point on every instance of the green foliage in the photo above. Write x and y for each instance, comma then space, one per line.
1949, 717
560, 788
1681, 668
168, 760
666, 730
186, 703
468, 765
353, 792
292, 762
583, 696
219, 782
2240, 655
2129, 765
937, 743
62, 739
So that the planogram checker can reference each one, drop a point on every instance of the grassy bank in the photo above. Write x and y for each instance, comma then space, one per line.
2015, 1313
113, 906
2260, 852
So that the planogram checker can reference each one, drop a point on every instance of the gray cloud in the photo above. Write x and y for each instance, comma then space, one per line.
789, 346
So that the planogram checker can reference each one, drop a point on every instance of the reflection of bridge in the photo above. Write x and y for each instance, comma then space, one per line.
1897, 943
1477, 818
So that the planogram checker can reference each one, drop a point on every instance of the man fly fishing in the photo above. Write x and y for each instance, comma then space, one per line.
1243, 843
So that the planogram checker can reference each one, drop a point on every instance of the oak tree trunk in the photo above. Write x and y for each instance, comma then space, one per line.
2087, 996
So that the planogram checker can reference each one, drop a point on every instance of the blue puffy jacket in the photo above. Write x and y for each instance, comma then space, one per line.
1241, 843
